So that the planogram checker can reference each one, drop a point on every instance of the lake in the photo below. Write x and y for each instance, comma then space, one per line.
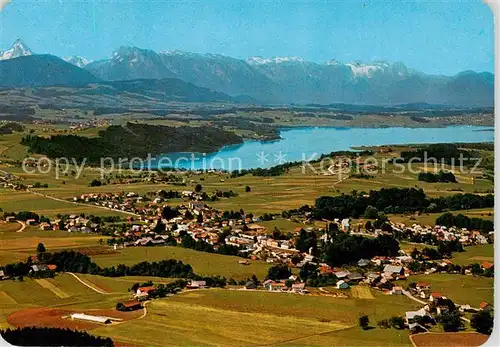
308, 143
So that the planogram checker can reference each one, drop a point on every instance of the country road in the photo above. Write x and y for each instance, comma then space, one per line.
23, 226
425, 303
88, 285
407, 293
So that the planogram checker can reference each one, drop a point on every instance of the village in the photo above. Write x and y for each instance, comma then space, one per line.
154, 223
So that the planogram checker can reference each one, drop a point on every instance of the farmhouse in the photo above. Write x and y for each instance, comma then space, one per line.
397, 290
393, 270
484, 306
143, 292
132, 305
363, 262
342, 285
411, 315
196, 284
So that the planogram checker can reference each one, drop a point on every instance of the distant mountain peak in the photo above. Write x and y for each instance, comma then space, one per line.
275, 60
81, 62
18, 49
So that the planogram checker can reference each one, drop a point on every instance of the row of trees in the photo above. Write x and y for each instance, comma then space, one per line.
441, 176
71, 261
33, 336
394, 200
344, 248
462, 221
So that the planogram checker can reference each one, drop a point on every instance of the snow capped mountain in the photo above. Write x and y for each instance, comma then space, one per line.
18, 49
77, 61
278, 79
276, 60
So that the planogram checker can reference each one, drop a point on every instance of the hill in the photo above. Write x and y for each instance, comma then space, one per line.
132, 140
41, 70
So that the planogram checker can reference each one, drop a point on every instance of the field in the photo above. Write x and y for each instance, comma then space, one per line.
430, 218
15, 246
188, 319
475, 254
202, 263
459, 288
448, 339
63, 291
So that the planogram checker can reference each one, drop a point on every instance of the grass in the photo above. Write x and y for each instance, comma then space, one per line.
203, 263
459, 288
60, 291
430, 218
474, 254
16, 246
189, 319
120, 284
15, 201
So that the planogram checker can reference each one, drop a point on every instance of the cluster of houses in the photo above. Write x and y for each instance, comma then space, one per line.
71, 223
442, 233
290, 285
127, 202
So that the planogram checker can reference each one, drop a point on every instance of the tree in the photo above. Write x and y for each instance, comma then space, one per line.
384, 324
95, 183
482, 322
371, 212
363, 322
278, 272
397, 322
198, 188
40, 248
248, 189
308, 270
476, 269
188, 215
451, 321
40, 251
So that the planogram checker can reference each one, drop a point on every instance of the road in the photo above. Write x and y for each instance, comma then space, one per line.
425, 303
408, 294
88, 285
23, 226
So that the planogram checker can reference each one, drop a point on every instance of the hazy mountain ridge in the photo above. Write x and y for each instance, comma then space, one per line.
277, 80
295, 80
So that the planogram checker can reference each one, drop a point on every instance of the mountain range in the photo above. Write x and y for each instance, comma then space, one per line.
279, 80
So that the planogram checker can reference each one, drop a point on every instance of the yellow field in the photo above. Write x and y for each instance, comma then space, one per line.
282, 319
46, 284
362, 292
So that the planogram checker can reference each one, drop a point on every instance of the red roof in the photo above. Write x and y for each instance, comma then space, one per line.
486, 265
483, 304
52, 267
131, 303
436, 295
147, 289
423, 284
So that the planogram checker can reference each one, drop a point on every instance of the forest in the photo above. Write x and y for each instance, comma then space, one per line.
395, 200
131, 140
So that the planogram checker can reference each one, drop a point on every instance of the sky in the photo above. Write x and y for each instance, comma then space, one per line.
436, 37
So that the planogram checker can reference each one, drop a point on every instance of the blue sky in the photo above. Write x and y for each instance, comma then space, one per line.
439, 37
